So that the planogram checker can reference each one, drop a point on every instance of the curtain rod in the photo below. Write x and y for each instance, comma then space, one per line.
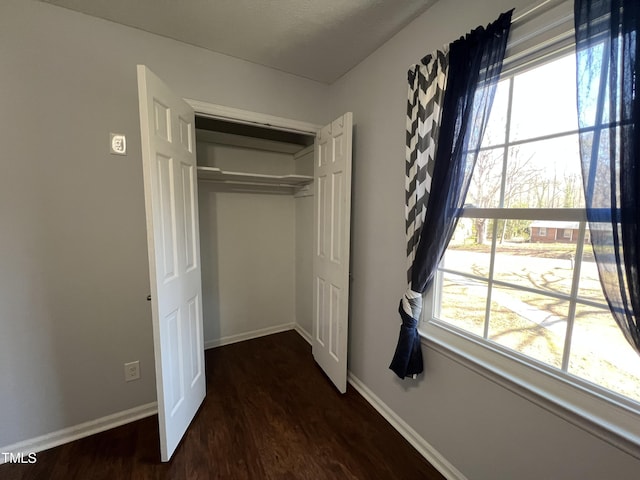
524, 13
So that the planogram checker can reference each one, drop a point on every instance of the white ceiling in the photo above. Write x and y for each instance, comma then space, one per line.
316, 39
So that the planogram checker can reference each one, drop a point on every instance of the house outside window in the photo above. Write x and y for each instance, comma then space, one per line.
519, 278
551, 231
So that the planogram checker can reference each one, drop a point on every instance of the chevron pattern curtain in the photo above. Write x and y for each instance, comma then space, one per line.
427, 81
450, 97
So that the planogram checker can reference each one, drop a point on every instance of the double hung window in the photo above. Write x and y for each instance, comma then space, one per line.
518, 276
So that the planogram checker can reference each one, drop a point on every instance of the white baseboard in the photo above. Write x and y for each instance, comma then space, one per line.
240, 337
303, 333
66, 435
420, 444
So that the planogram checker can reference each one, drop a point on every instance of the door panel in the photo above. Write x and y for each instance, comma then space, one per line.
170, 184
332, 217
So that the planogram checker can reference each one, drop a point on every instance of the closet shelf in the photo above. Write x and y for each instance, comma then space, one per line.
217, 175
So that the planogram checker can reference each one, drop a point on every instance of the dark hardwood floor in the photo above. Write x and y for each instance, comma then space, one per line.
270, 413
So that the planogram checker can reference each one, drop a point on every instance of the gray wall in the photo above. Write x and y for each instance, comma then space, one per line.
304, 249
484, 430
73, 255
247, 245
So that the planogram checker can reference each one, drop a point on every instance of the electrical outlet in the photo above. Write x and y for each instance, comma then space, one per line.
131, 371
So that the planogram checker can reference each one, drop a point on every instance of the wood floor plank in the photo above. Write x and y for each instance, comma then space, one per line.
270, 413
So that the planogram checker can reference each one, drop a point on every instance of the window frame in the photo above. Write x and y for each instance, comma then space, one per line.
610, 416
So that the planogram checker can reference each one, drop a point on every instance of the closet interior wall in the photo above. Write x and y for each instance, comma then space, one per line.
255, 240
304, 246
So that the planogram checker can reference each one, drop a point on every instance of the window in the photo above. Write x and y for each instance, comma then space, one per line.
518, 278
540, 299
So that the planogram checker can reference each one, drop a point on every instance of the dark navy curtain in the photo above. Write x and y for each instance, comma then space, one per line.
608, 114
475, 63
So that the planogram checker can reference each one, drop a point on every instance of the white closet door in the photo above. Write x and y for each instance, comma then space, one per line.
332, 220
170, 185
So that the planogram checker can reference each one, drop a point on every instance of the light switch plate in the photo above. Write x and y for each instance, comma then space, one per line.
118, 144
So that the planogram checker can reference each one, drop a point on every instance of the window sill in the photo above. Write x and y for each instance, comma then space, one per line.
609, 419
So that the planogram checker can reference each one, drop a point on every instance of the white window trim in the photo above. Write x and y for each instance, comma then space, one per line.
597, 413
604, 414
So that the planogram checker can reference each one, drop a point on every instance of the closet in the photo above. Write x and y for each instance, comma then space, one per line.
248, 223
255, 200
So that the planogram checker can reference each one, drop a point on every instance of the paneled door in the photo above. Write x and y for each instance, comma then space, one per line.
170, 187
332, 221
